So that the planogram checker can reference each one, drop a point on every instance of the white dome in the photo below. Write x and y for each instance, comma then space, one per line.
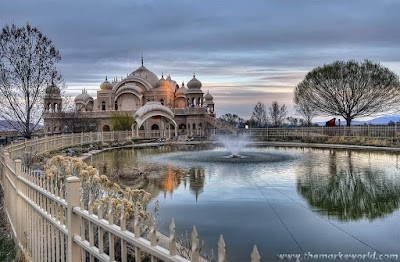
106, 85
147, 75
84, 97
153, 106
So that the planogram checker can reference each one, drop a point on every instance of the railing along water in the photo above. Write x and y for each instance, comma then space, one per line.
49, 221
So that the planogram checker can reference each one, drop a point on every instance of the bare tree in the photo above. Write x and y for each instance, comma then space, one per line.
350, 89
304, 109
27, 67
277, 113
259, 117
294, 121
232, 119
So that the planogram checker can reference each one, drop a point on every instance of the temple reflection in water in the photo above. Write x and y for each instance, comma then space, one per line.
152, 178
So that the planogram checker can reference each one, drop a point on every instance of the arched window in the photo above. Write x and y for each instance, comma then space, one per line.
194, 126
193, 101
116, 105
103, 106
106, 128
155, 127
162, 101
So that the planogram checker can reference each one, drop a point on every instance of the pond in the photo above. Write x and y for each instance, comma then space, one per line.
285, 200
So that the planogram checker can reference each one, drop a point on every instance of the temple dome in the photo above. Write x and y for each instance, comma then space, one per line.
106, 85
163, 82
181, 90
84, 97
147, 75
194, 83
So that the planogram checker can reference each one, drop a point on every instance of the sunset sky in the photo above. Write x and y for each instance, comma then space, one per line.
242, 51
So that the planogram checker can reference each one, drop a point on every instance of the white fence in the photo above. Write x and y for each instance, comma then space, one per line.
322, 131
51, 223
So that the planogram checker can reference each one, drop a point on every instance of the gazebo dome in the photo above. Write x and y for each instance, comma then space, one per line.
194, 83
53, 89
106, 85
153, 106
84, 97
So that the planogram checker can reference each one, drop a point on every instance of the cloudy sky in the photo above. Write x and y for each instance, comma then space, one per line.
242, 51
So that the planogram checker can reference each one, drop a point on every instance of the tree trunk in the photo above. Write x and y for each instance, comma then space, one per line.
348, 120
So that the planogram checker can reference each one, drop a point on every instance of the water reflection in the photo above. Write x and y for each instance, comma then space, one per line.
123, 167
350, 186
345, 185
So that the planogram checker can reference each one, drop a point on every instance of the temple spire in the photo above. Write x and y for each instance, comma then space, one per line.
142, 58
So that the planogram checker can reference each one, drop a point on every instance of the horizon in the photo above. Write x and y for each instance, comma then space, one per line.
242, 52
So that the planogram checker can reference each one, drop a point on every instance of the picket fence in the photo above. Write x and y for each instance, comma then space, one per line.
52, 224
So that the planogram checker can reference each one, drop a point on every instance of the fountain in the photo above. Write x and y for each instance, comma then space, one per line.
234, 144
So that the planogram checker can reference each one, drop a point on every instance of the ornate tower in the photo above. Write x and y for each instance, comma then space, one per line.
194, 93
52, 99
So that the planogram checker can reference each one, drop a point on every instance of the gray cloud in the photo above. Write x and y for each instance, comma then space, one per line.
235, 47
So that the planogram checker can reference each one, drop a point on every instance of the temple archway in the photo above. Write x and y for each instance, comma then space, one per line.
155, 110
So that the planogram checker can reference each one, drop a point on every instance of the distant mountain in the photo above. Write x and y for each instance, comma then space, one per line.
383, 120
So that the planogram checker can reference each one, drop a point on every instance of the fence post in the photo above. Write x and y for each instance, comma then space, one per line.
45, 143
73, 196
18, 230
11, 150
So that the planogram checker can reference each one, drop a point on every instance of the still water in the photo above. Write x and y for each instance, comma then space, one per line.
285, 200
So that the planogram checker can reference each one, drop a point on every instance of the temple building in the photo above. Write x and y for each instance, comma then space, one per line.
159, 106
